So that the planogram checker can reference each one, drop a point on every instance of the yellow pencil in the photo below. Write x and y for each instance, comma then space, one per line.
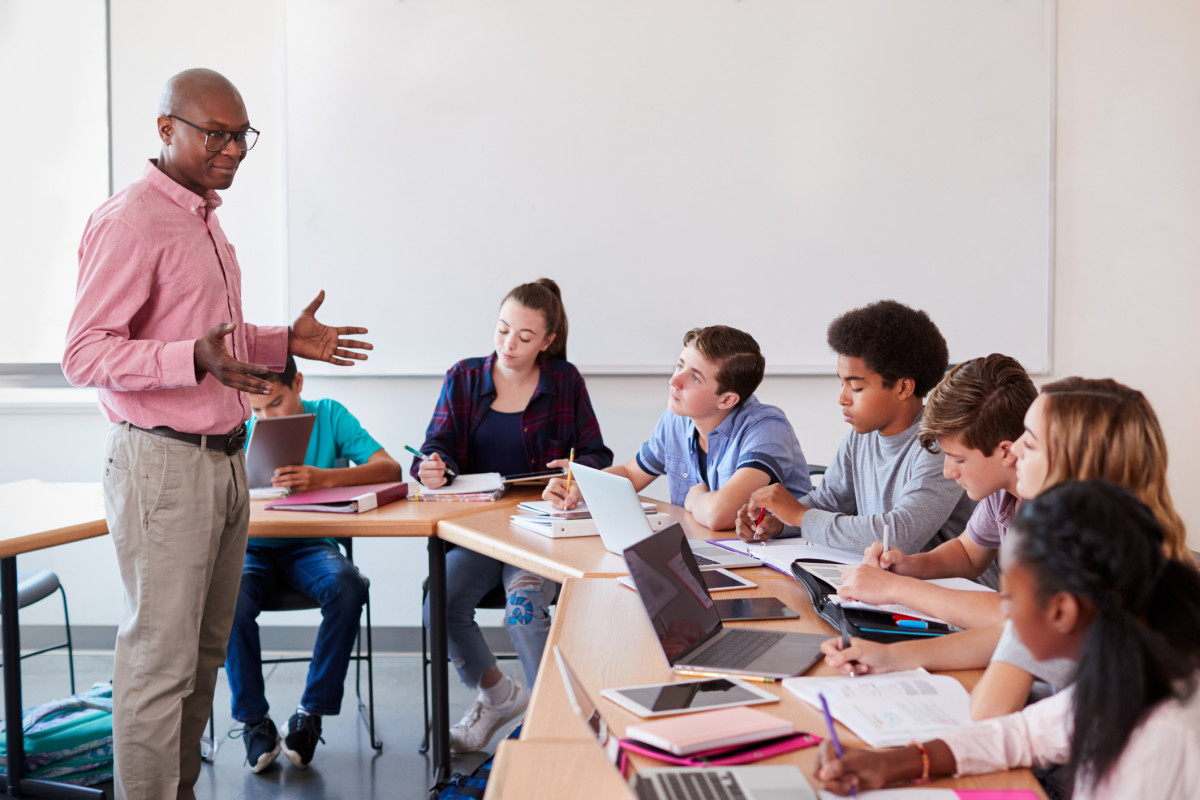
570, 461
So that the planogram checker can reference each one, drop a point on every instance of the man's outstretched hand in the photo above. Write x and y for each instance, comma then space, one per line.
212, 357
313, 340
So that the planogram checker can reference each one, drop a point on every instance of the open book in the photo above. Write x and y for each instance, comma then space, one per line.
890, 709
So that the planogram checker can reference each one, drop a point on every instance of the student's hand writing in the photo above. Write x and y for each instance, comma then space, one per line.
556, 493
300, 478
869, 585
749, 531
857, 769
779, 501
894, 559
432, 472
861, 656
211, 356
310, 339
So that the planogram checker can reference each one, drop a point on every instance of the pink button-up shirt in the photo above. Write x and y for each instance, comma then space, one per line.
156, 273
1161, 760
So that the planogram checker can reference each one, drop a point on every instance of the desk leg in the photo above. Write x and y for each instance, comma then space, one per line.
16, 784
439, 657
11, 647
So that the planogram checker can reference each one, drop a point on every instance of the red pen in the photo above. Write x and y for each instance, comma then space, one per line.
762, 512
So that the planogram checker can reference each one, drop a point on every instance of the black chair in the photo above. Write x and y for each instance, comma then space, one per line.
34, 585
286, 598
496, 598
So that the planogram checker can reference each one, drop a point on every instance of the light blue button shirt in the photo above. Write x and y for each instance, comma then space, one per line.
753, 435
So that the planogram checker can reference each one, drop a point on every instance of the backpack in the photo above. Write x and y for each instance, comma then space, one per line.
468, 787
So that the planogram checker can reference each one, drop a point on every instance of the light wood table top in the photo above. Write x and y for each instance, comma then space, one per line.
602, 629
35, 515
525, 769
403, 518
492, 533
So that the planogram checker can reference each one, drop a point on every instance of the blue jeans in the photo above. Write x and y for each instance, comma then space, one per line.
322, 573
470, 576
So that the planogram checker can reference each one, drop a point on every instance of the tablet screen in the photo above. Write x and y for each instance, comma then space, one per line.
674, 698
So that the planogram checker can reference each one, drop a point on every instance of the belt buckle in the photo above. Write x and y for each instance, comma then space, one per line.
236, 441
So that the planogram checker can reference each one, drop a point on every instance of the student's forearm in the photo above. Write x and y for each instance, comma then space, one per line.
964, 650
966, 609
379, 470
947, 560
714, 511
1003, 689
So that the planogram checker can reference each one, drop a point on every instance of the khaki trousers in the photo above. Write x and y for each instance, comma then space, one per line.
178, 515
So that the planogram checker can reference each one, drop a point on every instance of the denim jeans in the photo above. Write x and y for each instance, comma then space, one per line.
470, 576
322, 573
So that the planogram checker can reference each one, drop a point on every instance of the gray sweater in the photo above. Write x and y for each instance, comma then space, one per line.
877, 479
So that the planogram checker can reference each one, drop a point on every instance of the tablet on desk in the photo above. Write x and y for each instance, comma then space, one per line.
753, 608
276, 442
659, 699
541, 476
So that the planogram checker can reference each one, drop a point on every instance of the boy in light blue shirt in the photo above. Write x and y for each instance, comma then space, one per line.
314, 567
715, 442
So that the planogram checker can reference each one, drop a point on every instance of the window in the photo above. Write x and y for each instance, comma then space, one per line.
55, 137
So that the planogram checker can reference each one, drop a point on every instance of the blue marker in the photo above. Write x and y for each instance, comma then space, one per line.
912, 623
837, 745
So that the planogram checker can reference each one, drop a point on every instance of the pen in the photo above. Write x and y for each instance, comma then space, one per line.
837, 745
762, 513
846, 638
887, 538
691, 673
570, 463
424, 457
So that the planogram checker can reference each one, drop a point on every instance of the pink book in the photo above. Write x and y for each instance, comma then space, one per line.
725, 727
343, 499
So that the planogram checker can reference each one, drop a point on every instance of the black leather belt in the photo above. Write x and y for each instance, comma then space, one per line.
227, 443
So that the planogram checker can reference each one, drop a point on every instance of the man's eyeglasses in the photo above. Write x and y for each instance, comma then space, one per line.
216, 141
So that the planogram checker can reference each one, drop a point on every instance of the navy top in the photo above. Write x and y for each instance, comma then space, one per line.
497, 446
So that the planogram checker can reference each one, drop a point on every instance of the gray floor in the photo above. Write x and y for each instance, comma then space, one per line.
344, 767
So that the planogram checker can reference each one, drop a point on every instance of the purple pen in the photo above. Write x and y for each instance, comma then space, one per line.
837, 745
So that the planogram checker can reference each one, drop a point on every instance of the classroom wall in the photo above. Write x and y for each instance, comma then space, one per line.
1125, 294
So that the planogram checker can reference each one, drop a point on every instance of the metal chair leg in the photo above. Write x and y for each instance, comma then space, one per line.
70, 647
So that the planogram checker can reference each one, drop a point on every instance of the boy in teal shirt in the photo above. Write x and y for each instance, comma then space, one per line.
314, 567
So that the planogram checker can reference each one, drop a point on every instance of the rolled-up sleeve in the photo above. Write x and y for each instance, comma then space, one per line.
652, 456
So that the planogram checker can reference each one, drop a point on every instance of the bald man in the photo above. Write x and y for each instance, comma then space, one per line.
158, 330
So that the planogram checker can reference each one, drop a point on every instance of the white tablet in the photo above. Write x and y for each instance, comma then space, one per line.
276, 442
706, 694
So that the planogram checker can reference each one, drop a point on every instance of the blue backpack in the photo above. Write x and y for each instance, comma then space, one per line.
468, 787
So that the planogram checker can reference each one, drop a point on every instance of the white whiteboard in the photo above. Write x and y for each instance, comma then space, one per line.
766, 164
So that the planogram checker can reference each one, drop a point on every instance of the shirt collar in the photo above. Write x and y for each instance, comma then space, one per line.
727, 426
185, 198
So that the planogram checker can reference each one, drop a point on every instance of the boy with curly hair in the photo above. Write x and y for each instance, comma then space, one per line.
889, 357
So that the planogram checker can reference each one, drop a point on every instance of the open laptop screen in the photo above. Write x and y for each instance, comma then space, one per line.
672, 590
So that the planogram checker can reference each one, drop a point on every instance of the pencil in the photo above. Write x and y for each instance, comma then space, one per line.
570, 463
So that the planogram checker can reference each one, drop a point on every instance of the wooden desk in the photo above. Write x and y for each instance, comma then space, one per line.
492, 533
33, 516
602, 629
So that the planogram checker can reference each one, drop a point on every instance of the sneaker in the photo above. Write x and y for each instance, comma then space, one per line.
304, 731
483, 719
262, 743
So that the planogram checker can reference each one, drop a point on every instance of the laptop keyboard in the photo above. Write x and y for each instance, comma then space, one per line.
704, 561
699, 785
739, 647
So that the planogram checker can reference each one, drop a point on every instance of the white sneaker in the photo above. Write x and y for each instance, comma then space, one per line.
483, 719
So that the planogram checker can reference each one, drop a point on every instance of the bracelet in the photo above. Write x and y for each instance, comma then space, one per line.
924, 763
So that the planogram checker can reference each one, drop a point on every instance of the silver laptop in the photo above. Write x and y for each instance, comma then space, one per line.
686, 783
687, 624
621, 520
276, 442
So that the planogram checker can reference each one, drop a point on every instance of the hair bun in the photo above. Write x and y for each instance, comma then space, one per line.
549, 283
